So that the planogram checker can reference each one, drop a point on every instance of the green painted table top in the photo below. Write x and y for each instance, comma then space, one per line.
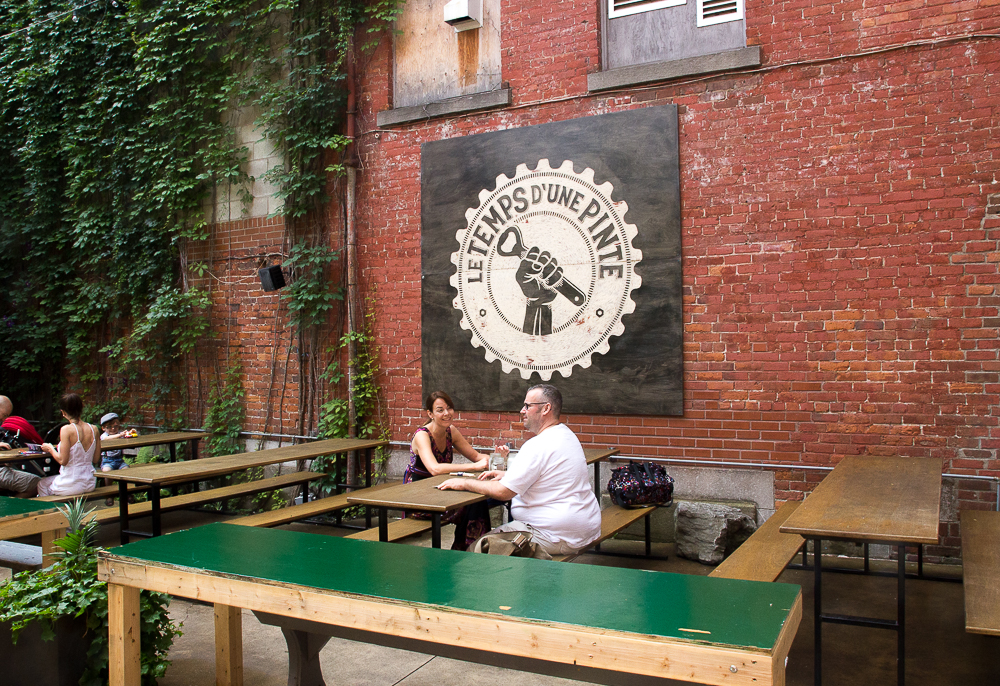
746, 614
21, 507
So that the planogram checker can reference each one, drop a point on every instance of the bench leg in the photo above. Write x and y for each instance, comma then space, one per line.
228, 645
123, 636
304, 668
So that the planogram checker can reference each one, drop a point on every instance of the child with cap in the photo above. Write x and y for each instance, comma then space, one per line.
112, 428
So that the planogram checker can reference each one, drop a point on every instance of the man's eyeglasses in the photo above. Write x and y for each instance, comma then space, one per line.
530, 404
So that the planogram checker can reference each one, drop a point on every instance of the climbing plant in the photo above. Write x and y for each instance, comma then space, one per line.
225, 416
335, 414
113, 137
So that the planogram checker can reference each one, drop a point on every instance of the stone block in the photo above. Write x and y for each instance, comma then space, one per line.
708, 531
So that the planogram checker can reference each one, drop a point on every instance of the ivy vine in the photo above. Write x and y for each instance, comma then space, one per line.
113, 138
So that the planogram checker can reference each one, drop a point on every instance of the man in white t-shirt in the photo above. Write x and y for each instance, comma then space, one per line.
547, 481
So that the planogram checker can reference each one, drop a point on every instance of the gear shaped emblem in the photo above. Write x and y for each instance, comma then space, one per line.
545, 270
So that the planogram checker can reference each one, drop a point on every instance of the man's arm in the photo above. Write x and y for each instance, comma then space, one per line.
491, 489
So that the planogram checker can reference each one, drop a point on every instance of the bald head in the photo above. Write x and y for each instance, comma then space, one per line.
6, 407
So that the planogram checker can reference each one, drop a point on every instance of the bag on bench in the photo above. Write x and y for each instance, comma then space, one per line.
639, 484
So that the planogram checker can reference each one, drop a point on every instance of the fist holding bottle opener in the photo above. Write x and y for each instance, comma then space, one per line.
540, 278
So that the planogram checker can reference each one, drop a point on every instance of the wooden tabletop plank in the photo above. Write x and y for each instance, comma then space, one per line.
875, 498
685, 607
152, 439
17, 456
981, 571
114, 444
208, 467
422, 495
599, 454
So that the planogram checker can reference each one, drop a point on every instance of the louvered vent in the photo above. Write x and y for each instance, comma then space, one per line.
623, 8
719, 11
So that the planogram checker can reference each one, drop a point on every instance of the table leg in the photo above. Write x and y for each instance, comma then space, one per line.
368, 484
123, 510
436, 530
228, 645
173, 452
383, 524
901, 617
48, 545
124, 667
304, 667
194, 448
154, 496
817, 612
649, 533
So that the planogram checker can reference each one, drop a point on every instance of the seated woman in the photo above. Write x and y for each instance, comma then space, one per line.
431, 453
79, 450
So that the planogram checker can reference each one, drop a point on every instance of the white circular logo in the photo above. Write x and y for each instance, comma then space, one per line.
545, 270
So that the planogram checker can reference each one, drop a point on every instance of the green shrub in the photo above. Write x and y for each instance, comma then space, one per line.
70, 588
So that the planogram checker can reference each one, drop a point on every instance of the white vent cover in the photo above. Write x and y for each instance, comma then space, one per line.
464, 14
719, 11
623, 8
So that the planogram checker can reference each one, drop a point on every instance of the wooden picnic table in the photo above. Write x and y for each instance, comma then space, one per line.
875, 499
26, 517
156, 475
420, 496
424, 496
169, 438
474, 607
595, 456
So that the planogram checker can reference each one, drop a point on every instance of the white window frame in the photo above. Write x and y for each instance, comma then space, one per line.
637, 6
738, 15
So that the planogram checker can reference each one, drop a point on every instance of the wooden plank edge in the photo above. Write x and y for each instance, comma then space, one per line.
663, 657
35, 524
783, 645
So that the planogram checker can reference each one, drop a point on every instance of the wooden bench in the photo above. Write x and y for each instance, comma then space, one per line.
27, 517
529, 614
763, 556
177, 502
981, 571
614, 519
295, 513
96, 494
398, 530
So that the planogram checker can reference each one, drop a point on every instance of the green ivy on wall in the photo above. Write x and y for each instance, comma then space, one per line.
113, 136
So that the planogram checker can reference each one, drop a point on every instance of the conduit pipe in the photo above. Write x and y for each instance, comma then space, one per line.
351, 163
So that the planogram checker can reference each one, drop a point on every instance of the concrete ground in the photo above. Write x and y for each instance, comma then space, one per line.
939, 651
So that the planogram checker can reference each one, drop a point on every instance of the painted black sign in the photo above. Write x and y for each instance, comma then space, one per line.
552, 253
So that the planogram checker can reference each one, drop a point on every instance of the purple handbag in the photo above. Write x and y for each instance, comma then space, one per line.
639, 484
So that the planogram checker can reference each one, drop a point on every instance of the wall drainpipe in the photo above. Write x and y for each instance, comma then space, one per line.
351, 163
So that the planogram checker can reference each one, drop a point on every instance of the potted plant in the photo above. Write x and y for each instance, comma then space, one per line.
54, 621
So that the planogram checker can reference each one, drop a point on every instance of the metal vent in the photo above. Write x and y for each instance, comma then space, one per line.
719, 11
623, 8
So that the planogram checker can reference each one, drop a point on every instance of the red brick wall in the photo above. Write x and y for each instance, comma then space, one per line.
839, 265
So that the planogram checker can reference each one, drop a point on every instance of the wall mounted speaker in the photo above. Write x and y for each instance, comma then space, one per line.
271, 278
